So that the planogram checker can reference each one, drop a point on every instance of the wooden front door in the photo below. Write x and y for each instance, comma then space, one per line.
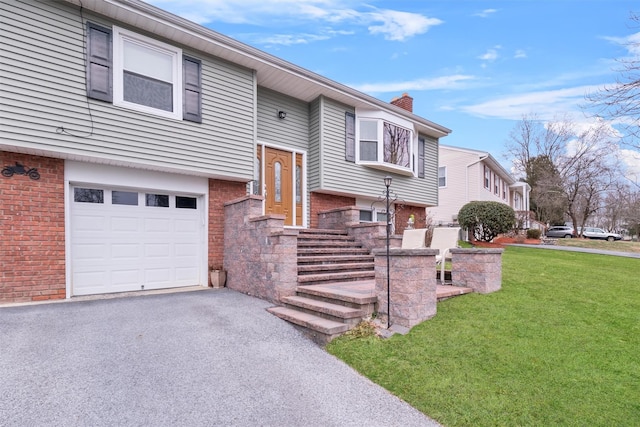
278, 176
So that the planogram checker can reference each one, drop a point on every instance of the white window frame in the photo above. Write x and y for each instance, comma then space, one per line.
374, 214
120, 35
444, 175
487, 178
380, 118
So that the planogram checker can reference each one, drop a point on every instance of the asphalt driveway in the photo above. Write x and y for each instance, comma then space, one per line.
210, 357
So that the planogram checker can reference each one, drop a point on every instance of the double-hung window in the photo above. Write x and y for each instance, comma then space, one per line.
487, 178
139, 73
369, 141
442, 176
147, 74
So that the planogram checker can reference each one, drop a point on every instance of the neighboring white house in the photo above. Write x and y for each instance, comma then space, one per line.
466, 175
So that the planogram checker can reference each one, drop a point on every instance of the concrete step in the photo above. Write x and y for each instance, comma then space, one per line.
356, 293
346, 276
336, 237
334, 259
321, 330
328, 310
327, 244
313, 268
331, 251
448, 291
314, 231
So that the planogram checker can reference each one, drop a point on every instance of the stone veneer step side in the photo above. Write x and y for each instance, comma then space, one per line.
335, 310
315, 323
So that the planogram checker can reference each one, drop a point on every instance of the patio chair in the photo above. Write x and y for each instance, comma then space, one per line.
444, 239
414, 238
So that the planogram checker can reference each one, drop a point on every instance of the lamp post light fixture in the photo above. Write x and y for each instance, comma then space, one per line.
387, 183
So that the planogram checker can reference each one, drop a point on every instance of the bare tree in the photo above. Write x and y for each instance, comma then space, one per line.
620, 102
632, 212
617, 207
565, 167
546, 198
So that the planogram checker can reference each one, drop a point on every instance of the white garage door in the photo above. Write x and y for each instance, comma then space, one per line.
126, 240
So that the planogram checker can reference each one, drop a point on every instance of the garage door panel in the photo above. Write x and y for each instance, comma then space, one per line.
157, 250
157, 276
89, 223
157, 225
186, 225
120, 277
186, 250
125, 224
93, 281
91, 252
186, 274
126, 252
118, 247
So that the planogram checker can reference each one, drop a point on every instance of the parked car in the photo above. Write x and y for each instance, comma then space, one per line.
599, 233
561, 231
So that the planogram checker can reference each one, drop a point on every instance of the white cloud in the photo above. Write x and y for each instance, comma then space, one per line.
400, 26
398, 55
631, 160
630, 42
486, 13
393, 25
520, 53
546, 104
491, 54
286, 39
439, 83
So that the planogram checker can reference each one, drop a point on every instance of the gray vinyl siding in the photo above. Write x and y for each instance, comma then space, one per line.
431, 163
291, 132
313, 169
341, 176
42, 76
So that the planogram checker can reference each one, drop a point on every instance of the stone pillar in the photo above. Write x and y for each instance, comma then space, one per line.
260, 255
371, 235
413, 285
339, 218
478, 268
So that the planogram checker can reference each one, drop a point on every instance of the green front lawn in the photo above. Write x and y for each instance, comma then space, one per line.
559, 345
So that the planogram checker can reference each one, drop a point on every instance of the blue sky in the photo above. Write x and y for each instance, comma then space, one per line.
473, 66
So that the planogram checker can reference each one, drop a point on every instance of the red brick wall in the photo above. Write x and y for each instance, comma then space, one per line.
219, 193
324, 202
32, 244
402, 216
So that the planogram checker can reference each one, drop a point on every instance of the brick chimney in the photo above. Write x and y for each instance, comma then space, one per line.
405, 102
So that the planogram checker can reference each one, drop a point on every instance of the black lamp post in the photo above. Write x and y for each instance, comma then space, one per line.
387, 183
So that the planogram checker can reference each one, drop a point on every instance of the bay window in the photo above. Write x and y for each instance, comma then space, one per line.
385, 145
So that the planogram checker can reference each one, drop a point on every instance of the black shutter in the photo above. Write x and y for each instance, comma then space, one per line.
350, 137
99, 63
421, 149
192, 89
